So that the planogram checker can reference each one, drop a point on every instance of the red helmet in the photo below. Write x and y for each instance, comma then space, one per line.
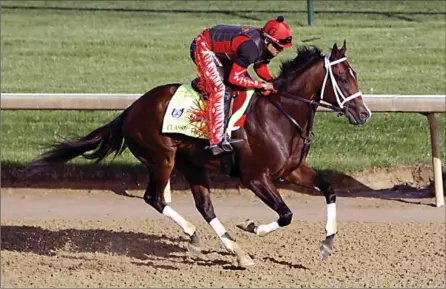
278, 32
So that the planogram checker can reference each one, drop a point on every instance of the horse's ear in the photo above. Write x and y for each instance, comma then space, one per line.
343, 49
334, 52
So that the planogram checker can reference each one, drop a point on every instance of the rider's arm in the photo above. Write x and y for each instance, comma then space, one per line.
263, 72
237, 77
246, 55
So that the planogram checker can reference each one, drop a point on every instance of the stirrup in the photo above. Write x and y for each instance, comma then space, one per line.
221, 147
226, 145
216, 149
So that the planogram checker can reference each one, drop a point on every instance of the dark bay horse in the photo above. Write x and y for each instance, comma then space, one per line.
276, 138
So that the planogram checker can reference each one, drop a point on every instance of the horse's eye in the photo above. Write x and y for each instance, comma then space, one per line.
343, 80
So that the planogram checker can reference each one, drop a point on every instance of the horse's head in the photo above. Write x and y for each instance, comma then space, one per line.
340, 86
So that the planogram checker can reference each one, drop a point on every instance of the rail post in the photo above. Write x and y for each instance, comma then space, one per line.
310, 11
436, 162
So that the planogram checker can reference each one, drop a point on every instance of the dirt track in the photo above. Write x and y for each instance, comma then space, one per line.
94, 238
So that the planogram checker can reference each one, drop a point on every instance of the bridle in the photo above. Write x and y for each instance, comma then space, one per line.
340, 98
340, 109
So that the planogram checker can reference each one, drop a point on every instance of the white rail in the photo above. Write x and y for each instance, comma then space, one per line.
117, 101
425, 104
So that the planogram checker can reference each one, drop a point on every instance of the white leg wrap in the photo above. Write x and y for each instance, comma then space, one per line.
263, 230
167, 193
218, 227
187, 227
221, 231
331, 219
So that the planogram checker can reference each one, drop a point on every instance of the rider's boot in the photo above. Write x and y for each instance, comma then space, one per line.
225, 145
227, 140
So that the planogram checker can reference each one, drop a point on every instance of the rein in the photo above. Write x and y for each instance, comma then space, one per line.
308, 138
309, 135
313, 106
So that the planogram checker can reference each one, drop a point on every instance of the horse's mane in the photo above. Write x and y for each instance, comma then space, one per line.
290, 69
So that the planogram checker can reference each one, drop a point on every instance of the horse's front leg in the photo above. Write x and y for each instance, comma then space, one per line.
306, 176
263, 187
199, 183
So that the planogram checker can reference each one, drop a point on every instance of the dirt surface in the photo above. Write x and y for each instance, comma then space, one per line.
390, 235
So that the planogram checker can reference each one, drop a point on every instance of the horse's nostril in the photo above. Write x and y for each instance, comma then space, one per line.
364, 115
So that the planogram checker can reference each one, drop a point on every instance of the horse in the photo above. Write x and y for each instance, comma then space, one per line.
278, 126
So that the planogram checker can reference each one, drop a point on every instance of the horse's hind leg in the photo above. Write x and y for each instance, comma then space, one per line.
159, 175
199, 184
306, 176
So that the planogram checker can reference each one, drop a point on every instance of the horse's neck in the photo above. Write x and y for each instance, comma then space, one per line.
271, 118
309, 83
298, 110
307, 86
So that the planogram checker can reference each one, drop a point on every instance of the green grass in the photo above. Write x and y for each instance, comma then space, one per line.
106, 51
65, 51
389, 139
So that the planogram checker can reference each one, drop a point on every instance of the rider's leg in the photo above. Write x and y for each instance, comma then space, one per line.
217, 112
207, 64
227, 110
228, 95
196, 83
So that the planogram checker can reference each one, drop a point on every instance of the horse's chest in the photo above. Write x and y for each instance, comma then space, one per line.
294, 158
292, 162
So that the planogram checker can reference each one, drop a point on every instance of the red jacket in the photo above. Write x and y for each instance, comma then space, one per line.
243, 46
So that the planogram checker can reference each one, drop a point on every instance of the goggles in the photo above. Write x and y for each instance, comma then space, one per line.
283, 41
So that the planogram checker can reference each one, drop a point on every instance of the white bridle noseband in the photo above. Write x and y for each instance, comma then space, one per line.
340, 98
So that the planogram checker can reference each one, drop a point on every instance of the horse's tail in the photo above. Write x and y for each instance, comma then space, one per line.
102, 142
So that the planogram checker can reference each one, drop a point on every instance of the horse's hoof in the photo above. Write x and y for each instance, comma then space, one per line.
193, 249
245, 261
324, 251
247, 226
